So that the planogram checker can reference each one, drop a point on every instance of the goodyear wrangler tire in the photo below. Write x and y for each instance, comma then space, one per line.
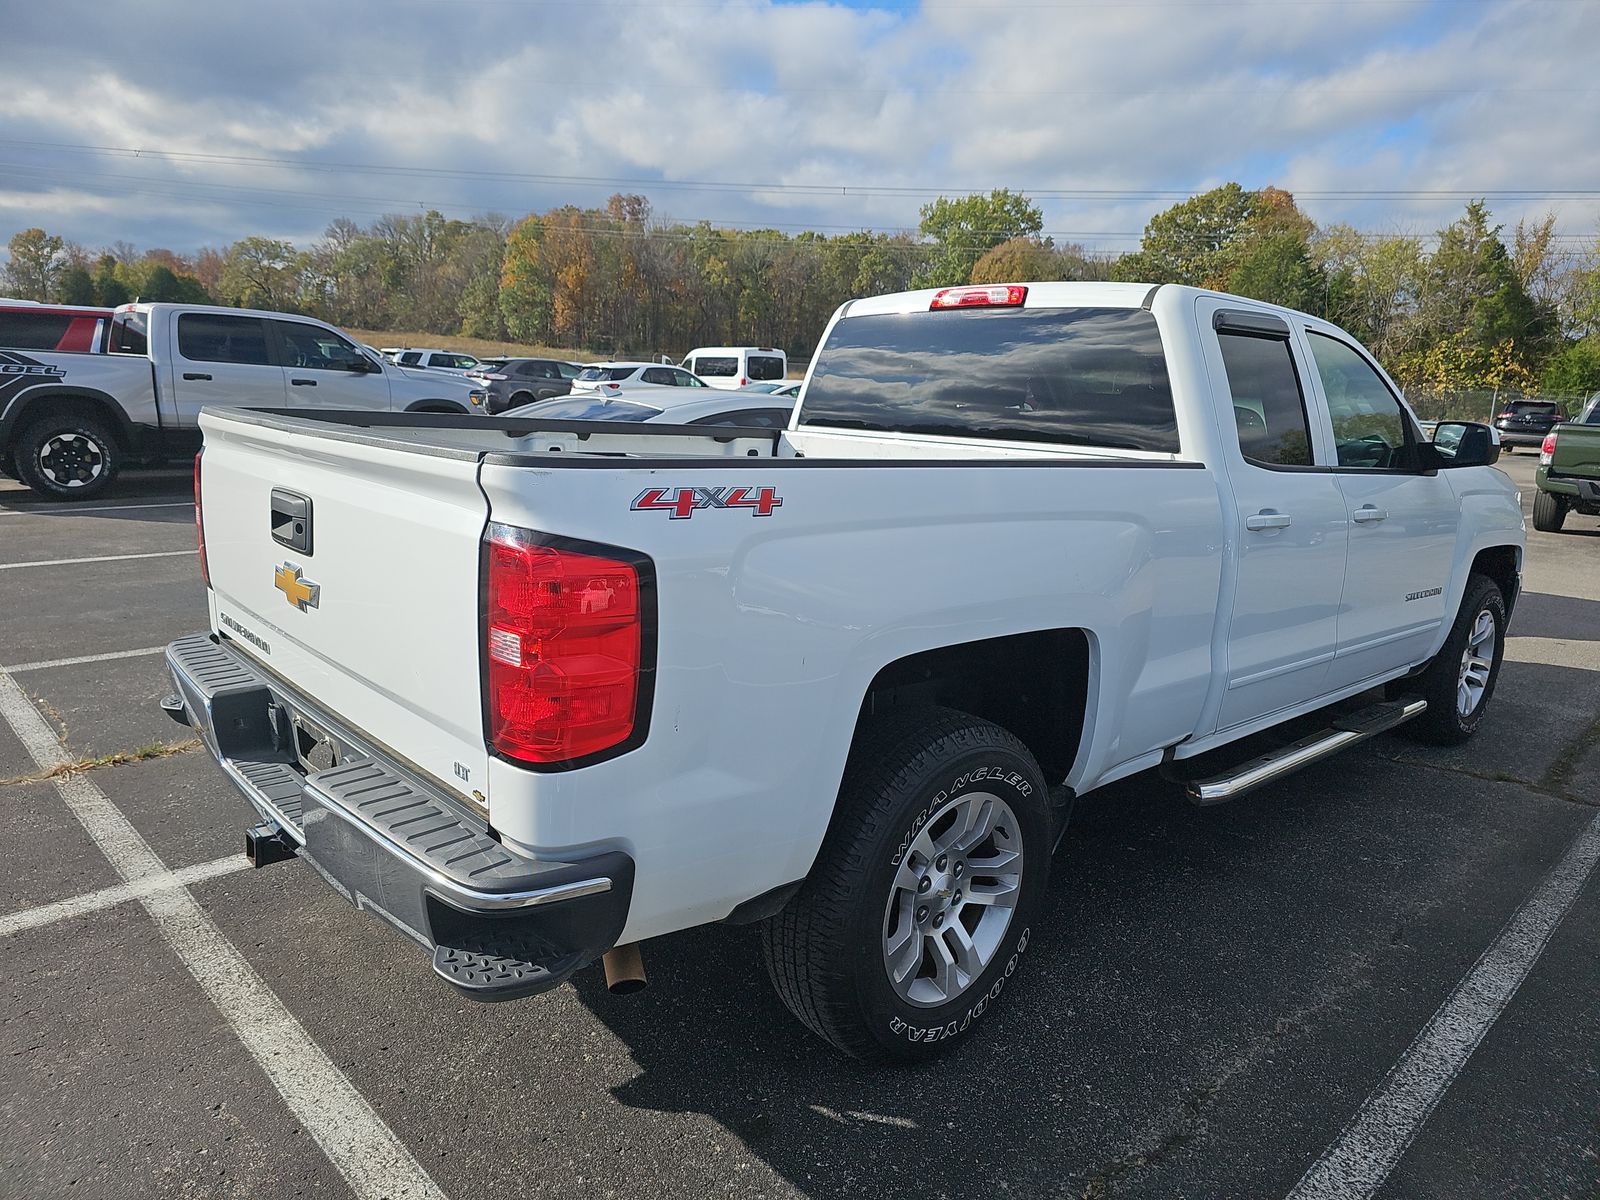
69, 455
926, 892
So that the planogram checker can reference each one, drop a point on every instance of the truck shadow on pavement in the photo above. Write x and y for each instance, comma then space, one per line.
1183, 949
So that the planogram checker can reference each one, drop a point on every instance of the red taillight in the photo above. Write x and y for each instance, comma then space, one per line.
564, 644
1547, 451
1507, 413
200, 523
1005, 295
741, 381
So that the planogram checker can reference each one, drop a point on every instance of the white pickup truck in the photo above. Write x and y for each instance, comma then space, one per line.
69, 421
537, 692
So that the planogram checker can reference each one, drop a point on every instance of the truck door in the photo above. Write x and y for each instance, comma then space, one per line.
324, 370
1403, 520
1290, 523
222, 360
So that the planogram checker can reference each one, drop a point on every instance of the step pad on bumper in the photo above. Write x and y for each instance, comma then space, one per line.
504, 965
421, 824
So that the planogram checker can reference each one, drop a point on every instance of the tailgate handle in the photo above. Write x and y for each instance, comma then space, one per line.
291, 520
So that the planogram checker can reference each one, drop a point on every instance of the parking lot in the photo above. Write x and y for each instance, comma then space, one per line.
1218, 993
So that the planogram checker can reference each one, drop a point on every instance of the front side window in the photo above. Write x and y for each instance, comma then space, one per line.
1073, 376
1269, 409
411, 358
567, 371
207, 337
313, 348
1370, 429
766, 367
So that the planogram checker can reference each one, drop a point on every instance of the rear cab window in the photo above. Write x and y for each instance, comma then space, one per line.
1092, 377
130, 334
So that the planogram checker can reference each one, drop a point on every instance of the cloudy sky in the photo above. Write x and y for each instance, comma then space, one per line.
184, 124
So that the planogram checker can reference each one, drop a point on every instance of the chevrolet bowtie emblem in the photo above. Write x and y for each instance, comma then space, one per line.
301, 592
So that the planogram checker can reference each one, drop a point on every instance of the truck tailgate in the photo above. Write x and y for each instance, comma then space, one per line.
378, 616
1577, 451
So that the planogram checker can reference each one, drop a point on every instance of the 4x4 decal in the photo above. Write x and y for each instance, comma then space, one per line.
684, 502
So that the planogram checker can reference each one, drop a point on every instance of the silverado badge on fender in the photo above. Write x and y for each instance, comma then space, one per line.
299, 591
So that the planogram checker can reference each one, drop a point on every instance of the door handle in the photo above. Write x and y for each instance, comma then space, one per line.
1369, 512
304, 382
197, 375
1267, 519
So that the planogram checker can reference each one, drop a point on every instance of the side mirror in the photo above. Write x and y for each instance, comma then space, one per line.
1465, 444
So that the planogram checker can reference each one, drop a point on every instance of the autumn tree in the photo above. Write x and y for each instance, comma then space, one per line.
259, 272
37, 260
964, 229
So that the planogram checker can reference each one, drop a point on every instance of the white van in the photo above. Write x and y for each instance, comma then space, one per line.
735, 367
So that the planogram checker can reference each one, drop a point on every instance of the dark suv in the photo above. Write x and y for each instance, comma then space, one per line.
1525, 422
519, 381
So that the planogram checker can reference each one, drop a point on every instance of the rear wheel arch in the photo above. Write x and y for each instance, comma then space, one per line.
40, 402
1034, 685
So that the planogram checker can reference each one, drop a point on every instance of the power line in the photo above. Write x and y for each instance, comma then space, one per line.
806, 189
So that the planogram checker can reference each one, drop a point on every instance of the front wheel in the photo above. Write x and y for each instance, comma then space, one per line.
67, 456
1549, 512
926, 891
1459, 682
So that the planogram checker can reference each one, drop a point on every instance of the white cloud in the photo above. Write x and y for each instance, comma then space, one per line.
1135, 96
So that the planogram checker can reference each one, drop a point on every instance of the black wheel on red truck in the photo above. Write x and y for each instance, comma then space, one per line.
1549, 512
919, 910
68, 454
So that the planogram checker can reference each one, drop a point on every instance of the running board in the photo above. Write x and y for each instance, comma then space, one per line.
1344, 733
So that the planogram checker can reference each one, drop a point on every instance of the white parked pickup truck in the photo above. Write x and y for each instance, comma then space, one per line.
535, 692
69, 421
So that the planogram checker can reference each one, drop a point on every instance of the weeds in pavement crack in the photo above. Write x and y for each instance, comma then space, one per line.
121, 757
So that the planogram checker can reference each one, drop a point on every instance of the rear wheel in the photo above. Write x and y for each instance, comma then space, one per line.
922, 900
69, 455
1549, 512
1459, 682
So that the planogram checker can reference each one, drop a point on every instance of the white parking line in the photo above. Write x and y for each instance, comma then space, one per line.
64, 562
46, 664
145, 885
364, 1150
74, 508
1366, 1152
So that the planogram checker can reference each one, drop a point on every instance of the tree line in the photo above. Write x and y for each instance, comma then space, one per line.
1470, 307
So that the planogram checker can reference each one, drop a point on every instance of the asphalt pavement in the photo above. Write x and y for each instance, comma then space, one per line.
1235, 1001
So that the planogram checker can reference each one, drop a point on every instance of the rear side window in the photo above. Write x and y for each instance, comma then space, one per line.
33, 331
749, 418
716, 368
203, 337
128, 334
765, 367
605, 374
1076, 376
1269, 409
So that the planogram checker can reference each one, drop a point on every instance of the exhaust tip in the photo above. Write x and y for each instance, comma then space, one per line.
624, 968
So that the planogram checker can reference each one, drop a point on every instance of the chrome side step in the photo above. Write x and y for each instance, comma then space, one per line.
1344, 733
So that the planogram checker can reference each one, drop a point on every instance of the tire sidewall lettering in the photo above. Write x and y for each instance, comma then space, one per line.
901, 1028
1007, 776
